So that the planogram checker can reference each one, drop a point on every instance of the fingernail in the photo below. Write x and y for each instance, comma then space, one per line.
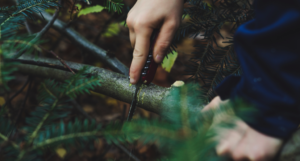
159, 58
132, 80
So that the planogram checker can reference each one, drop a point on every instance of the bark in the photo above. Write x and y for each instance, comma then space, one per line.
112, 84
117, 86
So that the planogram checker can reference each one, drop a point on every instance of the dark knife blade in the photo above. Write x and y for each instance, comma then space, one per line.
146, 76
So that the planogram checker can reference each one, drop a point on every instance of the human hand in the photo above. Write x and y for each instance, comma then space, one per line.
143, 18
242, 142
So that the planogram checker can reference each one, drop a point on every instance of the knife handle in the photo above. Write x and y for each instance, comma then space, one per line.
149, 70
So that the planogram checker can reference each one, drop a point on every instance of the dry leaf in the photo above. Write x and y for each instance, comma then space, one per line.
61, 152
2, 101
88, 108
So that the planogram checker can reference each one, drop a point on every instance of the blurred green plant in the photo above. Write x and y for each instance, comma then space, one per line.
169, 61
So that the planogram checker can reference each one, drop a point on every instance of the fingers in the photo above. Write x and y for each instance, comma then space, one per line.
164, 40
229, 143
140, 53
245, 143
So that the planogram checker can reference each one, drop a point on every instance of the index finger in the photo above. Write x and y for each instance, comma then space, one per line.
140, 53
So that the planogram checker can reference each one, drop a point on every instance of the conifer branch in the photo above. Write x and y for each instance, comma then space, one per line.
65, 137
24, 9
37, 129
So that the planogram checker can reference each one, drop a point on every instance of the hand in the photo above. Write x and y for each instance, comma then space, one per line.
143, 18
243, 142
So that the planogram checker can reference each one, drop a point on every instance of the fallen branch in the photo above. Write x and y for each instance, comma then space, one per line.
112, 84
117, 86
87, 46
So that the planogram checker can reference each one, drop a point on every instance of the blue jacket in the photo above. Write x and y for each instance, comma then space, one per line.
268, 48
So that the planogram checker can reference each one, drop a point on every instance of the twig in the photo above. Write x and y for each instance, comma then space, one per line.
42, 32
62, 61
28, 28
42, 64
48, 25
87, 46
127, 152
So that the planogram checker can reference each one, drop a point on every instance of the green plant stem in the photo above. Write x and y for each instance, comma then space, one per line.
39, 126
64, 137
6, 139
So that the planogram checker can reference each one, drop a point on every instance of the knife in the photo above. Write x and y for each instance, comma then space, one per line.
146, 76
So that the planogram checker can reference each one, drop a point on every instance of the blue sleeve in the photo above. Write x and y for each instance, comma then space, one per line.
268, 48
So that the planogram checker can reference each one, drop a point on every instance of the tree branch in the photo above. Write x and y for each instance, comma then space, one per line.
49, 24
112, 84
117, 86
87, 46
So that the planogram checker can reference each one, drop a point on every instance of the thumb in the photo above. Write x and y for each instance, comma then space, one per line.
164, 40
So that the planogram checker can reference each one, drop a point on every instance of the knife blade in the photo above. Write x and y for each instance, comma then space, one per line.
146, 76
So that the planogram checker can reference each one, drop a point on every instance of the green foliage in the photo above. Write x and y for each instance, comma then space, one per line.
114, 5
6, 69
10, 17
169, 61
112, 29
20, 44
55, 100
184, 135
88, 10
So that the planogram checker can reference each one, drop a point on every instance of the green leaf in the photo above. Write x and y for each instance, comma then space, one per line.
168, 63
113, 29
123, 23
79, 6
93, 9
